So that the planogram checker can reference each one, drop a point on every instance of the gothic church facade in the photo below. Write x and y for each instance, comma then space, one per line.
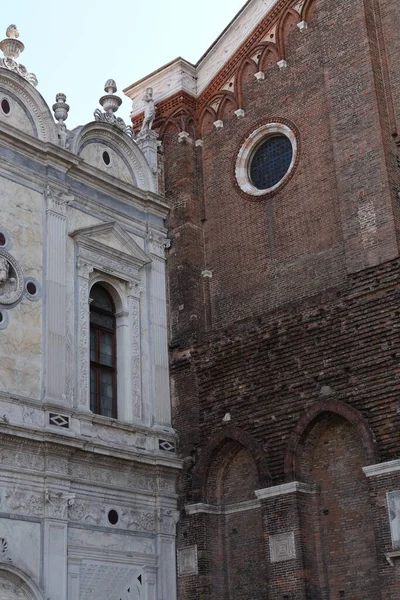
281, 172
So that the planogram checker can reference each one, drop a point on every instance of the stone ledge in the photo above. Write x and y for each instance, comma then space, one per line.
391, 556
286, 488
212, 509
382, 468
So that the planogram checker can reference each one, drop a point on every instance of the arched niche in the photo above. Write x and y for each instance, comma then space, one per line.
287, 27
310, 12
28, 110
207, 120
229, 439
308, 420
16, 585
231, 474
112, 151
334, 445
269, 57
244, 75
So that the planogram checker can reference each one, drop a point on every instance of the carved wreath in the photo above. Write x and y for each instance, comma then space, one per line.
11, 279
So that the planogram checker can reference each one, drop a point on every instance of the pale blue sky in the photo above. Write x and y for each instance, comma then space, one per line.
76, 45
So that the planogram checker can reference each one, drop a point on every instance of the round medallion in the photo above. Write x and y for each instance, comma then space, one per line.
11, 279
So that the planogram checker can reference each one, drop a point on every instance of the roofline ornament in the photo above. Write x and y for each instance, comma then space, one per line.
111, 103
12, 48
61, 109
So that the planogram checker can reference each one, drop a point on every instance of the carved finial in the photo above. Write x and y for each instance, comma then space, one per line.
12, 32
61, 109
12, 48
110, 86
111, 103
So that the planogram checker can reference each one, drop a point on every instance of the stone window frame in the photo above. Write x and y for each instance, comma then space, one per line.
250, 145
101, 368
95, 262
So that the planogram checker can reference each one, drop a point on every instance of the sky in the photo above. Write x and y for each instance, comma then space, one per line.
75, 46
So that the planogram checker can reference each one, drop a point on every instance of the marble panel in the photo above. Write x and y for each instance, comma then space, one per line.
23, 545
101, 580
21, 414
21, 341
85, 539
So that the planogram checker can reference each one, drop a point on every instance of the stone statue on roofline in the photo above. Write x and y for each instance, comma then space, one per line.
149, 111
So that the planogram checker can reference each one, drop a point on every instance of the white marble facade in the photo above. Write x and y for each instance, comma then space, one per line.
87, 503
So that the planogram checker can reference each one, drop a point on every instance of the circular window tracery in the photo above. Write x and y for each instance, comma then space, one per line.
270, 162
266, 160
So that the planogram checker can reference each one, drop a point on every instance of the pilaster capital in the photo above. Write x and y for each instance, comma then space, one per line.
57, 202
84, 268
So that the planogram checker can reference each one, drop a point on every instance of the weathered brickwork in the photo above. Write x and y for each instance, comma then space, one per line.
285, 312
341, 348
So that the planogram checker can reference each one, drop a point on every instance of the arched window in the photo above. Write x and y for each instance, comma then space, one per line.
103, 355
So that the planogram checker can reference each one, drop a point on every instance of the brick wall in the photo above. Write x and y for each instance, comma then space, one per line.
302, 310
340, 347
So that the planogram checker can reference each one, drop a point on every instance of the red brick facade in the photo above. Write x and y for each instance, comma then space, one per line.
286, 361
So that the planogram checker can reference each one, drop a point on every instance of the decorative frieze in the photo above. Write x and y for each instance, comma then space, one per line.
85, 512
18, 500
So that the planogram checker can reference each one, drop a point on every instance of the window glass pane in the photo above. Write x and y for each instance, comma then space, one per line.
102, 320
106, 349
92, 345
271, 162
101, 299
93, 390
107, 394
